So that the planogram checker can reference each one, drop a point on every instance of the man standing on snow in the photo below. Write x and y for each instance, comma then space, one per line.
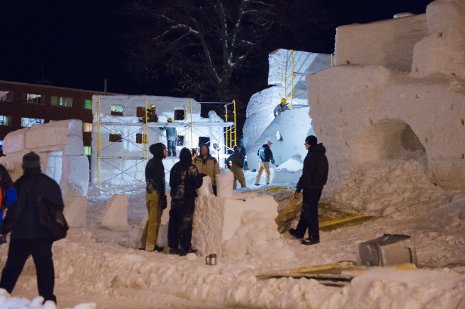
155, 196
184, 180
314, 177
266, 155
237, 162
28, 236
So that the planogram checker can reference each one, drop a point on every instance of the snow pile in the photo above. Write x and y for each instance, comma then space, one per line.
60, 147
8, 302
389, 288
238, 226
387, 188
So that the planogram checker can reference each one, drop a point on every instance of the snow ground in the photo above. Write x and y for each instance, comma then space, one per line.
98, 265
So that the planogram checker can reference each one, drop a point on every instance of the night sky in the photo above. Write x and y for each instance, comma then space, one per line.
79, 43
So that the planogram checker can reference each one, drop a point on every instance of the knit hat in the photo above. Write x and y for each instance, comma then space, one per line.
31, 160
311, 140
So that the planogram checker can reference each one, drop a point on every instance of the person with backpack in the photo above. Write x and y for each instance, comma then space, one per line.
184, 181
28, 234
266, 156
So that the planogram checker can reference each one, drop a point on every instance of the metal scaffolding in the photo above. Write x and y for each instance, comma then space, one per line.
153, 129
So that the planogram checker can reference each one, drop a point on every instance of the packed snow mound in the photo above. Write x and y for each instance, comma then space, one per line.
389, 288
387, 187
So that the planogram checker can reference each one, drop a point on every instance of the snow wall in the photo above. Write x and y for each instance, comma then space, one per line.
60, 147
368, 113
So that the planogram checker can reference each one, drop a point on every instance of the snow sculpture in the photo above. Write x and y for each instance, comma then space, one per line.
60, 147
116, 212
236, 226
224, 184
370, 113
76, 212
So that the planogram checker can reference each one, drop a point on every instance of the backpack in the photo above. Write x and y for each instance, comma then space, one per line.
52, 219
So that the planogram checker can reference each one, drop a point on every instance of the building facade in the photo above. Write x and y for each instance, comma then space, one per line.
24, 105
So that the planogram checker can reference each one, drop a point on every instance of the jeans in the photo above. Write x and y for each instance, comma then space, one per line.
172, 147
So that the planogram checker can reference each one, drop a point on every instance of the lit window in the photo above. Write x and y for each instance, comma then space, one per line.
87, 127
5, 120
29, 122
116, 110
6, 95
33, 98
88, 104
87, 150
115, 136
61, 101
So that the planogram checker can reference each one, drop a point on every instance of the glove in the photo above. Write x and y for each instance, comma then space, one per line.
277, 165
163, 202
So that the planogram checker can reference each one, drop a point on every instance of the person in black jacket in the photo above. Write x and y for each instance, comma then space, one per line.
314, 177
184, 180
155, 196
235, 162
28, 237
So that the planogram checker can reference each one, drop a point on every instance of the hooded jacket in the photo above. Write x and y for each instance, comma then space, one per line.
208, 166
184, 178
155, 171
315, 171
236, 158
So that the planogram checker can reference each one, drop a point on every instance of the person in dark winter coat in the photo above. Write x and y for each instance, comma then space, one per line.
184, 180
155, 196
314, 177
266, 156
28, 237
237, 162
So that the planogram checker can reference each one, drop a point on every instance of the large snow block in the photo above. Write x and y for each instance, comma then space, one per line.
116, 212
14, 141
57, 135
76, 212
225, 184
216, 220
388, 42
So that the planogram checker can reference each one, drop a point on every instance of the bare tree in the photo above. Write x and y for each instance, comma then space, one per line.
201, 42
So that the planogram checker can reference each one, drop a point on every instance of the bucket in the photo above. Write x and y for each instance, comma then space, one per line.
206, 188
224, 184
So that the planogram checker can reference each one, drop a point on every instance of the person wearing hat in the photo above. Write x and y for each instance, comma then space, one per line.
281, 107
171, 137
235, 162
28, 237
314, 177
266, 156
155, 196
